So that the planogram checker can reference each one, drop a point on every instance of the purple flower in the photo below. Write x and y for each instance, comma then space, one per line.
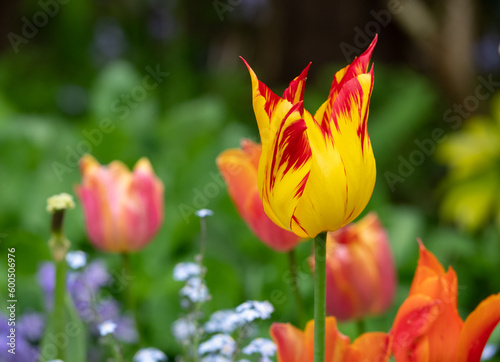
46, 279
126, 330
31, 326
96, 275
24, 351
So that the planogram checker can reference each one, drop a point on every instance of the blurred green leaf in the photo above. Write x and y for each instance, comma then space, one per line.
73, 341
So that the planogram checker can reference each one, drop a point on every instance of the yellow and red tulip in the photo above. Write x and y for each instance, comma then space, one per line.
123, 210
360, 270
428, 327
316, 173
239, 169
294, 345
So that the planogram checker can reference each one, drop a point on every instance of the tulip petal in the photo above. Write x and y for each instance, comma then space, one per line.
428, 266
357, 67
295, 91
144, 207
352, 279
265, 102
444, 333
336, 343
477, 329
350, 136
369, 347
342, 173
414, 318
284, 168
289, 342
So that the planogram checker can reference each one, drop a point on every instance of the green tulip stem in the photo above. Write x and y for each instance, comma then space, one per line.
129, 295
299, 305
319, 296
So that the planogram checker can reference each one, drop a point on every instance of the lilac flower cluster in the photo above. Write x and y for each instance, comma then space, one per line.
29, 332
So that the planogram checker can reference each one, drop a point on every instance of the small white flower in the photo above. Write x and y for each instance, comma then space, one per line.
183, 329
107, 327
254, 309
215, 358
489, 352
60, 202
263, 346
184, 271
149, 355
220, 343
223, 321
195, 290
76, 259
204, 212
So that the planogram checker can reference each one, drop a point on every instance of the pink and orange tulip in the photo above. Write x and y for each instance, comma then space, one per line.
360, 270
239, 169
428, 327
123, 210
294, 345
316, 173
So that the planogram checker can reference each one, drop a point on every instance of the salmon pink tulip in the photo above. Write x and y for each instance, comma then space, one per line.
123, 210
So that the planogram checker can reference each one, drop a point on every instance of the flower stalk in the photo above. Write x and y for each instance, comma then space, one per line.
59, 246
319, 297
129, 295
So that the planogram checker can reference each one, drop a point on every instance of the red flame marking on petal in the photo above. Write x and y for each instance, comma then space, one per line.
294, 145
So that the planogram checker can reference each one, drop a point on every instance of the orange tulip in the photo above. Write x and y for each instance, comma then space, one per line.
360, 270
428, 327
123, 210
294, 345
239, 169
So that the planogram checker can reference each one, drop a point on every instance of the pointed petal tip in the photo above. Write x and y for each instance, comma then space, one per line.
88, 162
246, 63
368, 52
143, 164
